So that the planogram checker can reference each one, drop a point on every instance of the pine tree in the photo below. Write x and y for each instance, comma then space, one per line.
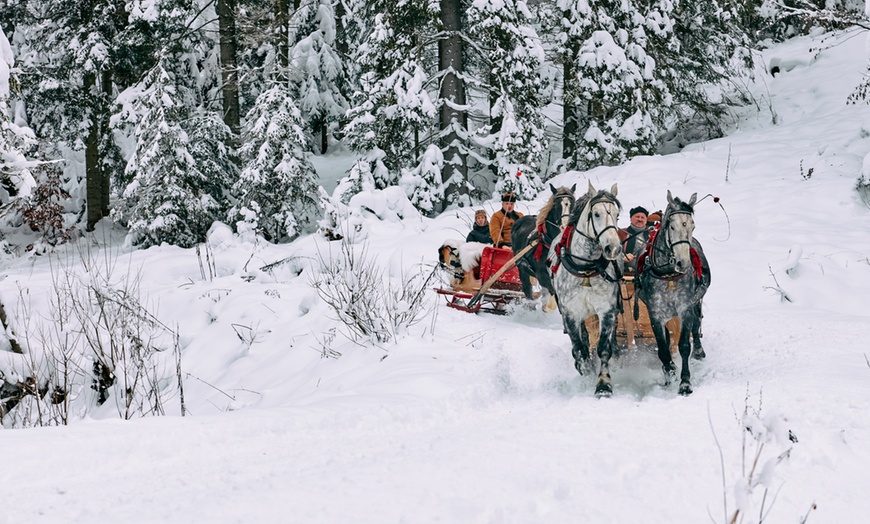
423, 183
277, 191
317, 72
512, 53
392, 114
70, 53
712, 45
175, 193
611, 82
15, 176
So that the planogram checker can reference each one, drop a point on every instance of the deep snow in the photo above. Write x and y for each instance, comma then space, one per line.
481, 418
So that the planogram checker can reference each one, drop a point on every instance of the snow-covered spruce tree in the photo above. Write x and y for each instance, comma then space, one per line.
350, 29
179, 169
423, 183
316, 71
509, 48
15, 176
392, 115
69, 54
276, 193
712, 47
616, 99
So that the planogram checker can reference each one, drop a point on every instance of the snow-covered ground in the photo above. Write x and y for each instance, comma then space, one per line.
480, 418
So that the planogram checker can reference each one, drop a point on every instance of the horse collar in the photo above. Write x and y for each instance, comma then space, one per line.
578, 266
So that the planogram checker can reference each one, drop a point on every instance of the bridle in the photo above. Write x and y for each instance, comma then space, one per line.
594, 201
585, 267
556, 200
668, 249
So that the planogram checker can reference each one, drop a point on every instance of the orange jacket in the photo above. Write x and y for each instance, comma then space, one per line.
500, 227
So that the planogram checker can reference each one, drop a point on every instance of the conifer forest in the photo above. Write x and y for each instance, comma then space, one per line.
169, 115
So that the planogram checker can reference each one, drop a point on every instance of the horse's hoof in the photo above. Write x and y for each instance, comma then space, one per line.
698, 353
583, 366
550, 305
604, 390
669, 374
685, 389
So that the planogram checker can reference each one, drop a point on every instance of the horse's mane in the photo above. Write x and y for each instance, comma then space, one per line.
545, 211
680, 207
583, 200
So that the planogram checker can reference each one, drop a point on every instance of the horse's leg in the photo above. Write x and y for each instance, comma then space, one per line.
579, 342
544, 278
607, 323
663, 342
688, 322
525, 278
697, 350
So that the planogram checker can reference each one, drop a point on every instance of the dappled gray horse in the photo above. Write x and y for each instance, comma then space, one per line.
673, 276
587, 266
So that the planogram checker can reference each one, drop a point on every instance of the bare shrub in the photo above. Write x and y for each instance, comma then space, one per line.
43, 210
356, 288
98, 344
766, 443
862, 186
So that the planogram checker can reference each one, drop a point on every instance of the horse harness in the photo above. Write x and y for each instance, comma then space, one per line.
544, 239
580, 267
661, 271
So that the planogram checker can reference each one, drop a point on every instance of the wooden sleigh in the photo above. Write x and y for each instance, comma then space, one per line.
631, 332
491, 286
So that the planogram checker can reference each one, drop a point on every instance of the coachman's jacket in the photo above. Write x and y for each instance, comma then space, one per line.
500, 227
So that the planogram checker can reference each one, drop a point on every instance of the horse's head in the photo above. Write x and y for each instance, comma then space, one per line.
678, 224
596, 216
559, 206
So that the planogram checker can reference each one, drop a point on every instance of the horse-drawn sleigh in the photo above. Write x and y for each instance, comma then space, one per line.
491, 283
577, 257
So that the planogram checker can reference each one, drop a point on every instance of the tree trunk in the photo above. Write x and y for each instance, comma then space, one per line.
229, 70
452, 93
495, 122
342, 46
106, 82
282, 28
93, 171
569, 111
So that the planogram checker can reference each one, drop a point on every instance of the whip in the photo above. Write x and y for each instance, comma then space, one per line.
727, 218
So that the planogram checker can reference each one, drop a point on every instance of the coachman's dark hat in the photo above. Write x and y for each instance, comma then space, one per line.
508, 197
638, 209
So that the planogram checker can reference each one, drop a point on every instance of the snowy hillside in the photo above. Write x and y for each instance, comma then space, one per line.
480, 418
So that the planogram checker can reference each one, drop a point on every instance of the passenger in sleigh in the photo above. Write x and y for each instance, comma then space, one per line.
480, 231
503, 220
635, 237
